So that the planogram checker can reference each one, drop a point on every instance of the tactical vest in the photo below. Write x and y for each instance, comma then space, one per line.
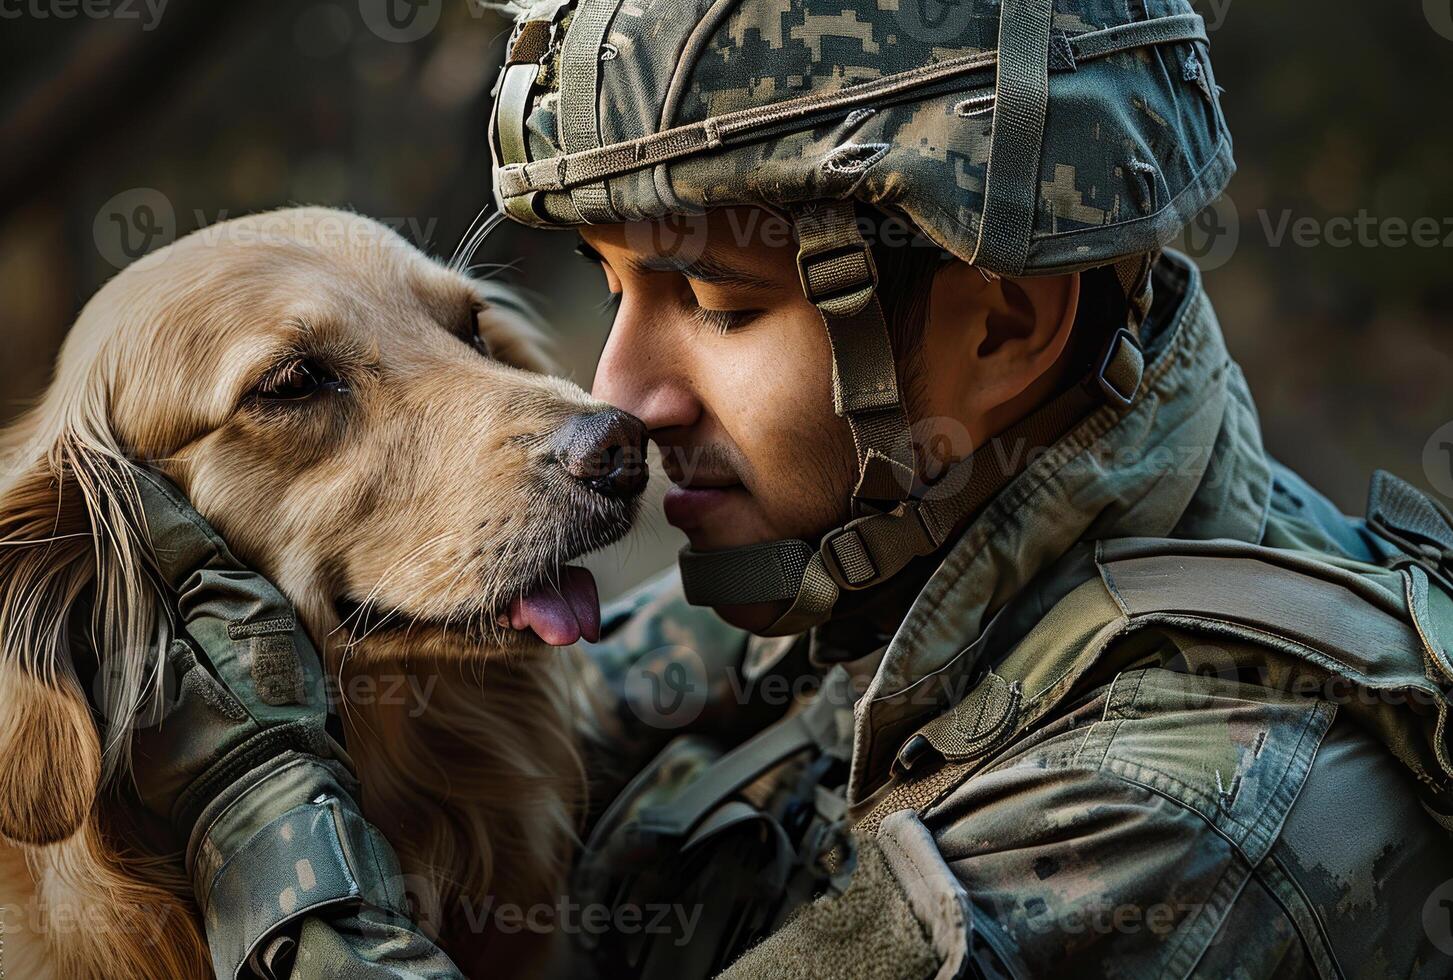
1373, 637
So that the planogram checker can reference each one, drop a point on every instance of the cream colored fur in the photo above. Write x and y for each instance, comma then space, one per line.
427, 491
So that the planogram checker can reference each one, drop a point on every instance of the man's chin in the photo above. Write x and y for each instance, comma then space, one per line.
754, 617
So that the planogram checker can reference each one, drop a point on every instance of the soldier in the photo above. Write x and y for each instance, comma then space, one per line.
1001, 647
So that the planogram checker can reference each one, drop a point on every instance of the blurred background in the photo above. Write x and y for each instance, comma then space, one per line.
127, 123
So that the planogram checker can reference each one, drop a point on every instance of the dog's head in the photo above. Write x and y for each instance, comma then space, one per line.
365, 426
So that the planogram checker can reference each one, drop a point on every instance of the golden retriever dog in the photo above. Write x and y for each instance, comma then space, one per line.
370, 429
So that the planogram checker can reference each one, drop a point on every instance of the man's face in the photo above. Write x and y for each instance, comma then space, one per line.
717, 350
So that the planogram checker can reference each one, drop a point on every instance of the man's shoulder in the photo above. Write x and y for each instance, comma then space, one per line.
1233, 753
1173, 820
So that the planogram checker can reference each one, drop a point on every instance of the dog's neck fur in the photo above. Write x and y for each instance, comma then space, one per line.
476, 762
474, 765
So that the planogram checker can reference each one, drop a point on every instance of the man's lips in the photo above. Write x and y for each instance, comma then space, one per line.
687, 507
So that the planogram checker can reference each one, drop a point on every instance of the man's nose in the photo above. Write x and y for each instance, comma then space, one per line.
606, 451
646, 374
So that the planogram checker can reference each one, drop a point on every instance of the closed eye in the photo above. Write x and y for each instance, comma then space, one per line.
299, 379
724, 321
471, 329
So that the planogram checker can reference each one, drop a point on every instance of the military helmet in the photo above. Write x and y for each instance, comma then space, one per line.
1021, 136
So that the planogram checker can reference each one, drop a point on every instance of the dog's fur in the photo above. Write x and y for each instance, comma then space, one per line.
426, 492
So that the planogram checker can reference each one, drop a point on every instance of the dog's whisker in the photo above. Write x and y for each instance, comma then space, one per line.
472, 243
468, 234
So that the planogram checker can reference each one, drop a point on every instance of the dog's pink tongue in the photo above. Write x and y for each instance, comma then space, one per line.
561, 614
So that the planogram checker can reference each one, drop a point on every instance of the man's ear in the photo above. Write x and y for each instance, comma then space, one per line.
68, 541
1007, 334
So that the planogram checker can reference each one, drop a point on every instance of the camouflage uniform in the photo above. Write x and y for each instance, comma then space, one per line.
1157, 821
1159, 710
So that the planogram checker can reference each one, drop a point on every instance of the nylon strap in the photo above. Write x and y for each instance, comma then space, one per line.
1011, 181
512, 107
815, 727
580, 99
840, 279
872, 549
1327, 619
571, 170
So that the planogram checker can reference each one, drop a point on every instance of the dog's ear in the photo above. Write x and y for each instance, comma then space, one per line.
71, 589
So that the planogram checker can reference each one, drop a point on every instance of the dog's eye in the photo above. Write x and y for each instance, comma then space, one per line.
299, 379
473, 333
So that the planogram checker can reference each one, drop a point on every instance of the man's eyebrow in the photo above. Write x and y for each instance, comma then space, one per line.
707, 269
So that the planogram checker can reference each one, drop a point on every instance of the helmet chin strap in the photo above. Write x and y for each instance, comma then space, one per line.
890, 526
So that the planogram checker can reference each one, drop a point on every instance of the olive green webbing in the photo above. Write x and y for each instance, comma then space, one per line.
839, 277
884, 543
571, 170
579, 98
1021, 104
1306, 614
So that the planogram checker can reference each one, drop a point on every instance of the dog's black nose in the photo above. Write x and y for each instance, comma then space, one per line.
605, 451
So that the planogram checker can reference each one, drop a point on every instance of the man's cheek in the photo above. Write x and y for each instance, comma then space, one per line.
805, 491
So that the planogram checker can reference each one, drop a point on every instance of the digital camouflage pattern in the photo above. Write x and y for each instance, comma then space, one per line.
1155, 819
1158, 822
241, 766
1188, 810
1075, 134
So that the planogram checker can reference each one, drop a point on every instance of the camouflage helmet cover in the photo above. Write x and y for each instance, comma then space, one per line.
1024, 136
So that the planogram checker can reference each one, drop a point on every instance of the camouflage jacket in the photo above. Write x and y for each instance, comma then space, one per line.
1159, 823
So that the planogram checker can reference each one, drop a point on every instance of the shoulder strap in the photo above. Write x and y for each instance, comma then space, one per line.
1328, 627
1418, 525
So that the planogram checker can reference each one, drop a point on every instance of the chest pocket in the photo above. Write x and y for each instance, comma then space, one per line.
1370, 639
1237, 754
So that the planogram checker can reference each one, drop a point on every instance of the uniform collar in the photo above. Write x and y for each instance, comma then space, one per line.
1185, 461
